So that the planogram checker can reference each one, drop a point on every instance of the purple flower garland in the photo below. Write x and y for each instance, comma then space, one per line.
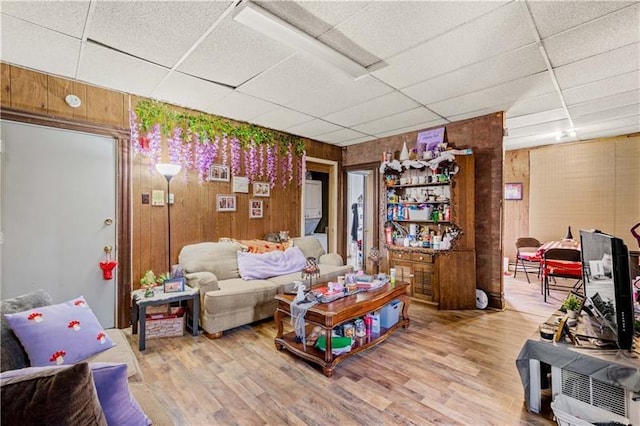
263, 163
225, 155
235, 156
271, 165
135, 132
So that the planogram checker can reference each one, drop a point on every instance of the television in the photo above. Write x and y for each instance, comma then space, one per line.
607, 284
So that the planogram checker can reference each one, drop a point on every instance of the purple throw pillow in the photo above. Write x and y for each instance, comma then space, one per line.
59, 334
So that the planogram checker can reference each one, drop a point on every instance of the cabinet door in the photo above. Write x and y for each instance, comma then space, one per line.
404, 271
425, 285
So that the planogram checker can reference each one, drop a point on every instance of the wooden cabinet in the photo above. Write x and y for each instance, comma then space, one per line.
445, 278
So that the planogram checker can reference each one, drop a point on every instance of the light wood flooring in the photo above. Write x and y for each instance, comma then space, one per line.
449, 367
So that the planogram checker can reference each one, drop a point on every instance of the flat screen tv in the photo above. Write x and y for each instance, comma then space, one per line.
605, 269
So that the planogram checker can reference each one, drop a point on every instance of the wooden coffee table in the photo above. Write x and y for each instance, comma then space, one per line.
330, 315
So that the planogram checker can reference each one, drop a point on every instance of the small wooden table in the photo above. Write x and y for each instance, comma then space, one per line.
140, 303
330, 315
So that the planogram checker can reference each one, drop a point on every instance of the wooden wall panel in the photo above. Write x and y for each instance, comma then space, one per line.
484, 135
586, 185
627, 188
516, 212
28, 90
5, 78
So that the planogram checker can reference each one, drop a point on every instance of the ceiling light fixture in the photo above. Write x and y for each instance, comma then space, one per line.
566, 134
73, 101
270, 25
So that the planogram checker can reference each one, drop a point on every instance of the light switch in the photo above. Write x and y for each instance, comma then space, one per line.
170, 198
145, 198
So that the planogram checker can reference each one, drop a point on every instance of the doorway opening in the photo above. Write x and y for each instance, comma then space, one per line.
320, 202
361, 199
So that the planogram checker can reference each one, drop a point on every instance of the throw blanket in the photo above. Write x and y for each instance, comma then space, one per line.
266, 265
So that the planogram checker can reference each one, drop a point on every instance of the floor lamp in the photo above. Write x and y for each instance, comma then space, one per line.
168, 171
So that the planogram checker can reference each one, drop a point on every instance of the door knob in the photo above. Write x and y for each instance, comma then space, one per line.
108, 221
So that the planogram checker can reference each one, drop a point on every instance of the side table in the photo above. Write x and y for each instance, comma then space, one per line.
139, 309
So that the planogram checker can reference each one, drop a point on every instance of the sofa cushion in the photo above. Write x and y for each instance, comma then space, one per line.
59, 334
238, 293
309, 245
219, 258
112, 387
12, 352
270, 264
327, 273
52, 396
121, 353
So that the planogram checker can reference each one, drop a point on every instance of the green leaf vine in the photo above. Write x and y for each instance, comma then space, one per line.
150, 112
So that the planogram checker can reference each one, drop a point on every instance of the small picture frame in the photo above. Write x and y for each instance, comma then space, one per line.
173, 285
219, 173
255, 209
513, 191
261, 189
240, 184
225, 203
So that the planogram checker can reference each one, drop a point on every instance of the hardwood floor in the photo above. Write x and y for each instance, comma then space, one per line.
449, 367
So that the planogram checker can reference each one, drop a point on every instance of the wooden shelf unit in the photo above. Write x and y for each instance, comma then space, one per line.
444, 278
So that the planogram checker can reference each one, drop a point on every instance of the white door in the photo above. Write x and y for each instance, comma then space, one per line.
58, 193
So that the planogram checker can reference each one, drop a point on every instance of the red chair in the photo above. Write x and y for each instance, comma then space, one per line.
527, 251
561, 263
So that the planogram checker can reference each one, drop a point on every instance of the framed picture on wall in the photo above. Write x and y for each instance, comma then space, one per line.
225, 203
255, 209
219, 172
240, 184
513, 191
261, 189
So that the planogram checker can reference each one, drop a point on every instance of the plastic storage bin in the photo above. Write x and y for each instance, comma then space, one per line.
390, 314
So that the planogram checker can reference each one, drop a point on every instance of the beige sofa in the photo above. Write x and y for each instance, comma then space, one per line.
14, 357
227, 300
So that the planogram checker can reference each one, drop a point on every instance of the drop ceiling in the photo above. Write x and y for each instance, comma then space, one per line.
553, 66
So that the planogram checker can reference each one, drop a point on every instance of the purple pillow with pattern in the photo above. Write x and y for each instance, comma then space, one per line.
59, 334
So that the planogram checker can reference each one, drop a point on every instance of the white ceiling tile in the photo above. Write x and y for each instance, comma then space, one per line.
551, 126
533, 105
109, 68
531, 86
158, 31
66, 17
233, 54
281, 118
382, 106
610, 126
357, 141
339, 96
22, 45
240, 107
313, 128
386, 28
537, 118
419, 126
603, 104
608, 115
397, 121
188, 91
467, 44
297, 76
597, 67
551, 17
341, 135
615, 30
540, 139
497, 70
601, 88
610, 132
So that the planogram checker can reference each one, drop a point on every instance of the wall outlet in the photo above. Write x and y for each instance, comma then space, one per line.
145, 198
170, 201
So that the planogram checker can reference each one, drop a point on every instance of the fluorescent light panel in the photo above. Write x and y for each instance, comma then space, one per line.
270, 25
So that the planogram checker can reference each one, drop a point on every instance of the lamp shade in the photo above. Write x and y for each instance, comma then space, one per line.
168, 170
